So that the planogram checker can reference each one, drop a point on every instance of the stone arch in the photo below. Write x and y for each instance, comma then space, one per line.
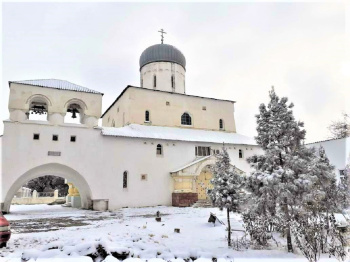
80, 102
53, 169
39, 96
209, 162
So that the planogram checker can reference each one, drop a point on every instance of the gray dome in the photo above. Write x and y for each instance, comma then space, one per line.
162, 53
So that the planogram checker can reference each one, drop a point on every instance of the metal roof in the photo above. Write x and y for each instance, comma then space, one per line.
162, 53
178, 133
56, 84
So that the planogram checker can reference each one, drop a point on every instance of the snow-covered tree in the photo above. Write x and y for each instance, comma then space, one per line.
275, 182
227, 187
340, 129
292, 186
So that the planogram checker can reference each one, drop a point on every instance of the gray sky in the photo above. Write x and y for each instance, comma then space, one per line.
234, 51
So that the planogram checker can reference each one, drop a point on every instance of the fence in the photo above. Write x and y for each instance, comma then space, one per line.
37, 198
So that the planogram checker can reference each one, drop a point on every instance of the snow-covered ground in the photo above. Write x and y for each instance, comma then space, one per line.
46, 232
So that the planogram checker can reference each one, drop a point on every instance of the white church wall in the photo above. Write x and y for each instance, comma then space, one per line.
162, 114
163, 72
118, 114
337, 151
101, 161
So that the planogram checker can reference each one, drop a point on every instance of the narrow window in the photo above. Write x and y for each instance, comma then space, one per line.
240, 153
186, 119
342, 176
125, 179
54, 137
154, 81
36, 136
73, 138
221, 124
204, 108
147, 116
159, 150
173, 83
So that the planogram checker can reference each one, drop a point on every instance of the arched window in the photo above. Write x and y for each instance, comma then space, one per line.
186, 119
173, 82
240, 153
125, 179
146, 116
159, 150
154, 81
221, 124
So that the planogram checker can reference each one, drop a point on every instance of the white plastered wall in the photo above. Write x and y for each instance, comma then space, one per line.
161, 114
163, 72
57, 100
97, 162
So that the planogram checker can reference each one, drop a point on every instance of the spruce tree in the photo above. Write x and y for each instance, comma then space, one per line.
292, 187
273, 183
227, 187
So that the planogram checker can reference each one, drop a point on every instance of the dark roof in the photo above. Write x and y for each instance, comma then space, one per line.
154, 90
56, 84
162, 53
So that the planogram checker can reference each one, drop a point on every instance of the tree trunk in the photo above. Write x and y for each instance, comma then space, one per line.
289, 235
228, 228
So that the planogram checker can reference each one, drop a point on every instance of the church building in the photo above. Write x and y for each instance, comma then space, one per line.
155, 145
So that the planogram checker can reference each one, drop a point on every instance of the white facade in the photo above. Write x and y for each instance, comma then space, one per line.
165, 76
133, 164
337, 151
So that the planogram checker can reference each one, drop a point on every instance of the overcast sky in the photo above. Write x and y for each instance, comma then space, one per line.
234, 51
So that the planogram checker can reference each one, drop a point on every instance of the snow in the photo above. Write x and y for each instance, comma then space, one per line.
180, 134
133, 231
56, 84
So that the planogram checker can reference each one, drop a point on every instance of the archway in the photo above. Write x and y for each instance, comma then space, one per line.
53, 169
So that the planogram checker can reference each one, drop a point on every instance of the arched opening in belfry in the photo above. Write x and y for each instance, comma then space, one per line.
75, 114
38, 109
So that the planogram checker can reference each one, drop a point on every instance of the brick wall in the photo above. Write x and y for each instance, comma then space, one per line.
184, 199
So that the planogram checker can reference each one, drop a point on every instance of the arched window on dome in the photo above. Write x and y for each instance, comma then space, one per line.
186, 119
154, 81
173, 83
221, 124
147, 116
159, 150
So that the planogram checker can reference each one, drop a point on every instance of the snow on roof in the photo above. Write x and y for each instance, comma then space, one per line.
326, 140
177, 133
56, 84
190, 164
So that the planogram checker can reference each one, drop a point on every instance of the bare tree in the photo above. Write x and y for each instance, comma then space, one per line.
340, 129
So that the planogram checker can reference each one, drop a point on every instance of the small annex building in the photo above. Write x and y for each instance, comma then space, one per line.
155, 145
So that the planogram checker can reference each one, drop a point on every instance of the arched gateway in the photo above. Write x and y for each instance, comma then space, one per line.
53, 169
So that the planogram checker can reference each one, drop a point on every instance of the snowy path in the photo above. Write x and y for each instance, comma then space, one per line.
56, 231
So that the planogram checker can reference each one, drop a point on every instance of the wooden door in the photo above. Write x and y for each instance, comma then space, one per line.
203, 184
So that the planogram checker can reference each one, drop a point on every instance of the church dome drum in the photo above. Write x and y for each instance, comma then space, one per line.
162, 53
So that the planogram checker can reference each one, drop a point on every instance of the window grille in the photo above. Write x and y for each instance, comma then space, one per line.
186, 119
203, 151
